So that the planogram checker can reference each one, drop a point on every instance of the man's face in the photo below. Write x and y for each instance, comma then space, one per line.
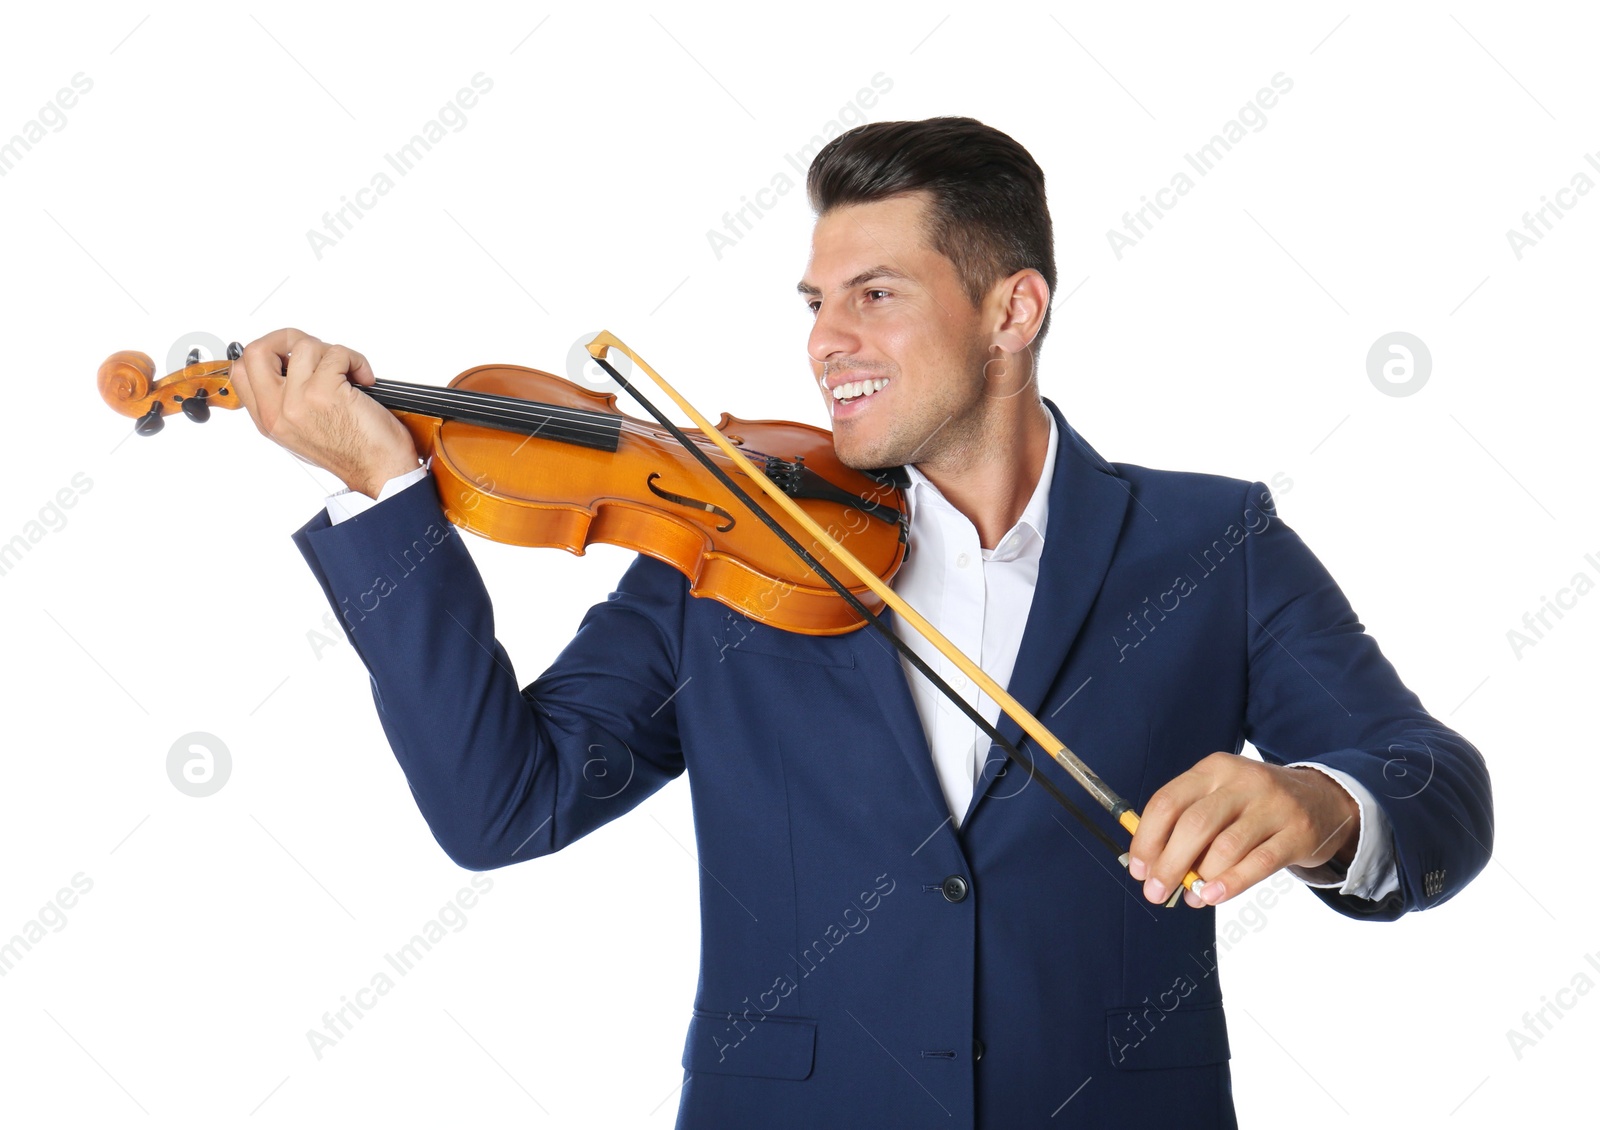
894, 328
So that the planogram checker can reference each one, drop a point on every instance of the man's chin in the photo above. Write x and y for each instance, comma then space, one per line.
851, 455
862, 457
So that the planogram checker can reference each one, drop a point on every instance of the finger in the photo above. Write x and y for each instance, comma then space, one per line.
1251, 829
300, 363
239, 376
1263, 860
1191, 837
268, 357
271, 351
257, 376
1161, 812
358, 369
340, 365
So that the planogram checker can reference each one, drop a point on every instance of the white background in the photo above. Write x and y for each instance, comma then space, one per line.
176, 199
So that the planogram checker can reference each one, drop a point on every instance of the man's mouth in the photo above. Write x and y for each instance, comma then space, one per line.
856, 390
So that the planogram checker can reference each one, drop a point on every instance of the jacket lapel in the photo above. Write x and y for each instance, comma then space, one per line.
880, 665
1088, 502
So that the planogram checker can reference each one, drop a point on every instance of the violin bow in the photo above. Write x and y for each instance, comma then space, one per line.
1120, 810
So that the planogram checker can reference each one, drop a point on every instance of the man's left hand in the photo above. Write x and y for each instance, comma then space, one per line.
1236, 821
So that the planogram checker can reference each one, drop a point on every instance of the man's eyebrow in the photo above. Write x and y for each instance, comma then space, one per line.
878, 272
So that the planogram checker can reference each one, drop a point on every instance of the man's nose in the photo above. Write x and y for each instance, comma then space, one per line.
833, 335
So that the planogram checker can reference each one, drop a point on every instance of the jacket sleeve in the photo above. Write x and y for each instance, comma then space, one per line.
501, 774
1320, 690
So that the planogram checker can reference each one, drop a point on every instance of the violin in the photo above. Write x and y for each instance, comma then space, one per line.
491, 436
525, 457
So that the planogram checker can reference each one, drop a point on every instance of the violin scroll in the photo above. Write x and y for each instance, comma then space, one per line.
125, 378
125, 384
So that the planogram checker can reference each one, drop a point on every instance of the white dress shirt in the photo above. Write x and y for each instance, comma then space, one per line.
979, 598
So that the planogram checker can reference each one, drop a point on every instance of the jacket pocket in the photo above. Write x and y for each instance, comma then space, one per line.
1145, 1037
773, 1047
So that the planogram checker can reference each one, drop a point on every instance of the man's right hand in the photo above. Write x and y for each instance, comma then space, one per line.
302, 394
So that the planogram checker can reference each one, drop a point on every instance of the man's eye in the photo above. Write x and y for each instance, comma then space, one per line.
814, 304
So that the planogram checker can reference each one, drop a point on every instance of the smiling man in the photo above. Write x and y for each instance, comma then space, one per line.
903, 356
991, 966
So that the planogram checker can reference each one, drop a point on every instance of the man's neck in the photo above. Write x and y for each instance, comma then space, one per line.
992, 492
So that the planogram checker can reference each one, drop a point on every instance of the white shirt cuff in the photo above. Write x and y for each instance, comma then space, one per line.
348, 503
1372, 873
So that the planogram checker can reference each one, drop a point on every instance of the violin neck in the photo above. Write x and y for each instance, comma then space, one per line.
504, 413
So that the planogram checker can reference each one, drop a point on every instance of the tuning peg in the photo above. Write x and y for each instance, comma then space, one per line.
235, 351
194, 357
151, 422
197, 407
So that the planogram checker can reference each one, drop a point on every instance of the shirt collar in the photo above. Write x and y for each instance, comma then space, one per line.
1035, 515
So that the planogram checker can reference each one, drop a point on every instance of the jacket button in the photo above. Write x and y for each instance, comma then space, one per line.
954, 888
977, 1049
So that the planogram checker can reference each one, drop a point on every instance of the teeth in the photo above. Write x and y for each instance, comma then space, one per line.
854, 389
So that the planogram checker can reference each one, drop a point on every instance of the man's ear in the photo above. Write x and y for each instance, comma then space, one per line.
1026, 298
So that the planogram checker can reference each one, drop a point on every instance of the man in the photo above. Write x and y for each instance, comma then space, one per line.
903, 934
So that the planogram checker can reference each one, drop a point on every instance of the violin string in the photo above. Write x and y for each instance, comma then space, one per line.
509, 408
522, 411
1010, 750
514, 410
516, 413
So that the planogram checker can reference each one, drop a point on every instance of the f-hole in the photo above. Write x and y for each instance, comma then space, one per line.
694, 503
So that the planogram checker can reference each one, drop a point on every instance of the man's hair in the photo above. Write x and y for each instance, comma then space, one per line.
987, 212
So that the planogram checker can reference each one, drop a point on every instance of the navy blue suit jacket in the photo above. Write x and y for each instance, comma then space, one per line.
847, 977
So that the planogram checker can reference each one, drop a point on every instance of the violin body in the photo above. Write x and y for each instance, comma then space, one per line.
651, 497
525, 457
